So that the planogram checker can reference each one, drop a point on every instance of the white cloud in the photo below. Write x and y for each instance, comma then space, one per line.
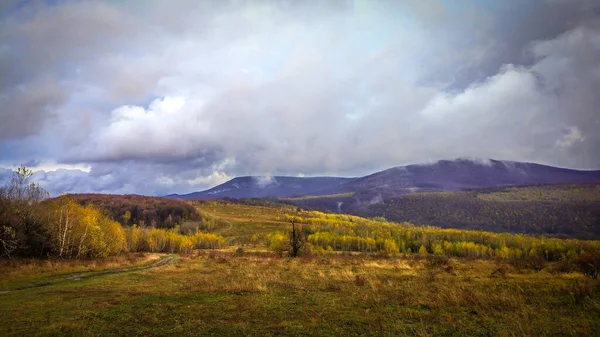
148, 103
572, 136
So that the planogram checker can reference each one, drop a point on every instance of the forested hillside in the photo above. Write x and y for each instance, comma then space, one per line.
554, 210
564, 211
141, 210
63, 227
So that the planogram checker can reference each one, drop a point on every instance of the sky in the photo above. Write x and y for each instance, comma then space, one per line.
157, 97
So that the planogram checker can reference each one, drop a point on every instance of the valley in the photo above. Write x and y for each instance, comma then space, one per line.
500, 260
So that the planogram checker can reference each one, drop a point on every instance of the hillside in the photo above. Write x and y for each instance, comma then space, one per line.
260, 187
556, 210
394, 279
444, 175
141, 210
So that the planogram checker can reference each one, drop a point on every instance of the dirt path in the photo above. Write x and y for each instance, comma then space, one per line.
91, 274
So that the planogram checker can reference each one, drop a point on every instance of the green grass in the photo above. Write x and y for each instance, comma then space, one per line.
257, 293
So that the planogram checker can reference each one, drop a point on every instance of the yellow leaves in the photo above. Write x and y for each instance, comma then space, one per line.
170, 241
277, 242
390, 246
82, 231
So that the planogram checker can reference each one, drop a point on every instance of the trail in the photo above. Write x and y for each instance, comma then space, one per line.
91, 274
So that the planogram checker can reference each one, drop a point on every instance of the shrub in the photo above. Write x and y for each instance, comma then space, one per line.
589, 264
530, 262
436, 261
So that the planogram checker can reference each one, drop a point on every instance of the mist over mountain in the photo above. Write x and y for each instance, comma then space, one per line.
443, 175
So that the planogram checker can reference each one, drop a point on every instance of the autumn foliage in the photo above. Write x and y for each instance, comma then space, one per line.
141, 210
64, 227
338, 232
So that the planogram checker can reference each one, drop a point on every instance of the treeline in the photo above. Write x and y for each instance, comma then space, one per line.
142, 210
170, 241
351, 233
559, 211
63, 228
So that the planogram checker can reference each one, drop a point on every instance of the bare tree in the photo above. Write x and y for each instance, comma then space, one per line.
297, 239
18, 219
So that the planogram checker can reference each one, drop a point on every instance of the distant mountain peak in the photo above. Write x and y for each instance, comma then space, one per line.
442, 175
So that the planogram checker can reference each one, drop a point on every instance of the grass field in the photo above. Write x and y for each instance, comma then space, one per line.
252, 291
258, 293
239, 222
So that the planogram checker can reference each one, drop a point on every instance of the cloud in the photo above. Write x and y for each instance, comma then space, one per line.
264, 181
151, 104
572, 136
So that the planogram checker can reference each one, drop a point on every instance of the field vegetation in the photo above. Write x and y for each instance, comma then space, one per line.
231, 272
261, 293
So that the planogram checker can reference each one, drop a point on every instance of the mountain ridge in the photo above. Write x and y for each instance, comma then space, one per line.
443, 175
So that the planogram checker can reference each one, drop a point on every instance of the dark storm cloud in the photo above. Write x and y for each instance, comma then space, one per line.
180, 95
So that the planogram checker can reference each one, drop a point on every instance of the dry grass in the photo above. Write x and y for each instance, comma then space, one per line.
259, 293
22, 270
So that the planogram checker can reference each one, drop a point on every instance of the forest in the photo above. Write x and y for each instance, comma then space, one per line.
565, 211
141, 210
67, 227
334, 232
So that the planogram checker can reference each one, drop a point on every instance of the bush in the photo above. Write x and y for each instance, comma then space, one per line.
531, 262
589, 264
239, 251
360, 280
436, 261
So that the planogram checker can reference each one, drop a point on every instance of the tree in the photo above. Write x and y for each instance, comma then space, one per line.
390, 246
297, 239
20, 224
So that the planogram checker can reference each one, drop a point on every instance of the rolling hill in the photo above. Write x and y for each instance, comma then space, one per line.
141, 210
551, 210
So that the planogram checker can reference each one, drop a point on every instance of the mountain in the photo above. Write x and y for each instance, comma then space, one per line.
260, 187
460, 174
444, 175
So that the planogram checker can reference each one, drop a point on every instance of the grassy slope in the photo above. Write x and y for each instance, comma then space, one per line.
238, 222
258, 293
261, 294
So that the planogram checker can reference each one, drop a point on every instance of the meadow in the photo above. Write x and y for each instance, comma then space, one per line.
229, 292
229, 273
